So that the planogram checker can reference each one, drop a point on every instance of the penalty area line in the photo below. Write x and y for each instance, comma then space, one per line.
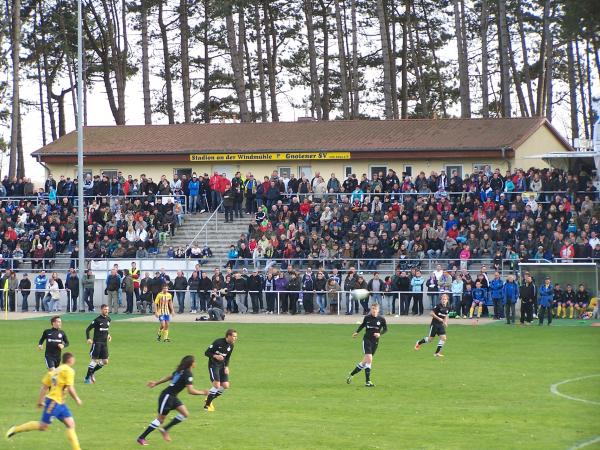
585, 444
554, 390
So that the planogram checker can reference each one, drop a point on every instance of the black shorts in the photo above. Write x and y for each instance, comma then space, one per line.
217, 373
99, 350
52, 361
167, 402
437, 329
370, 346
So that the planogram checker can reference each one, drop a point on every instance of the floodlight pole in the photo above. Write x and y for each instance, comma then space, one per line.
80, 202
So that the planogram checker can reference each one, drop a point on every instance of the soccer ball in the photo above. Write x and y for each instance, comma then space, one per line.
360, 294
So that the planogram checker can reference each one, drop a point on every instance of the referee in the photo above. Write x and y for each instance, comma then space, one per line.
56, 339
374, 326
219, 354
439, 322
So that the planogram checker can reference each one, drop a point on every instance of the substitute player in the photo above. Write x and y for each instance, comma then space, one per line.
219, 354
167, 400
375, 326
163, 309
439, 322
56, 339
99, 351
52, 400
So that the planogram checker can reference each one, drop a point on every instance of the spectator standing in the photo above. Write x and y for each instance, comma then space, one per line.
88, 282
546, 299
180, 285
40, 283
375, 287
25, 289
113, 284
416, 284
510, 295
127, 286
72, 284
308, 291
294, 286
527, 292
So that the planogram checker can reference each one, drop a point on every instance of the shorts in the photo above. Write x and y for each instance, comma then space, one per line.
438, 330
99, 350
167, 402
370, 346
52, 361
164, 317
54, 409
217, 373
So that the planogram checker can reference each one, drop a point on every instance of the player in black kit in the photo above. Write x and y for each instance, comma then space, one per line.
56, 339
99, 351
219, 353
167, 401
439, 322
374, 326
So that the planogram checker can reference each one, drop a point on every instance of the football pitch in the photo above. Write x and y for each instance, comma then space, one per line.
491, 391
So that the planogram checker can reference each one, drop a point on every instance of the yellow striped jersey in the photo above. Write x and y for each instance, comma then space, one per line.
162, 302
58, 380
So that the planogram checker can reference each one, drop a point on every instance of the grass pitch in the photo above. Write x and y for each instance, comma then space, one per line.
492, 390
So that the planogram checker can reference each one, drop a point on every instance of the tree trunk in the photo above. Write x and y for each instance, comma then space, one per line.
354, 87
261, 65
40, 83
185, 60
581, 83
393, 56
48, 76
312, 56
541, 89
237, 67
572, 92
244, 45
385, 51
404, 69
342, 60
166, 65
463, 69
526, 74
325, 101
436, 62
517, 78
145, 63
416, 57
60, 104
271, 60
15, 110
548, 82
485, 103
589, 88
206, 86
20, 158
504, 62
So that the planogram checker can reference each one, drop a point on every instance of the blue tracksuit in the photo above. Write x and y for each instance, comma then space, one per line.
546, 295
510, 292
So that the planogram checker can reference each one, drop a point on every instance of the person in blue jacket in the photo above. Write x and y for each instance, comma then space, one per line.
510, 295
545, 300
40, 282
193, 194
479, 297
496, 294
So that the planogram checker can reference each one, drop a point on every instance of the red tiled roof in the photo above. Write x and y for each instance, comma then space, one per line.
350, 135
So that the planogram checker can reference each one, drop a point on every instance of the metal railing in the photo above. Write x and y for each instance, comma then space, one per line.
204, 228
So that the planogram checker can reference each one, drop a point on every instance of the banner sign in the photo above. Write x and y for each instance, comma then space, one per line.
210, 157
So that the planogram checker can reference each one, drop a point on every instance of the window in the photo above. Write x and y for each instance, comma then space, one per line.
184, 171
374, 170
285, 172
407, 171
305, 170
347, 171
479, 167
451, 168
110, 173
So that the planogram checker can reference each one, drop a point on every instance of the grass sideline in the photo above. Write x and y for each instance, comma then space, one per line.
289, 391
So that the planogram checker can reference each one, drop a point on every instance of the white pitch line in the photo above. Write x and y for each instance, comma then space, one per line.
586, 443
554, 390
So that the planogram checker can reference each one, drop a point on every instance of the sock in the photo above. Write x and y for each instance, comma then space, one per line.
367, 372
27, 426
471, 311
357, 369
212, 394
440, 345
91, 368
479, 311
159, 334
558, 310
176, 420
570, 312
165, 334
98, 367
72, 438
153, 426
425, 340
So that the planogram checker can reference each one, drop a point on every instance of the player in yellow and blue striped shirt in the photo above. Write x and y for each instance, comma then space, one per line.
52, 400
163, 309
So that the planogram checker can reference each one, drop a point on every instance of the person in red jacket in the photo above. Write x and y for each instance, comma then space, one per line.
215, 193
